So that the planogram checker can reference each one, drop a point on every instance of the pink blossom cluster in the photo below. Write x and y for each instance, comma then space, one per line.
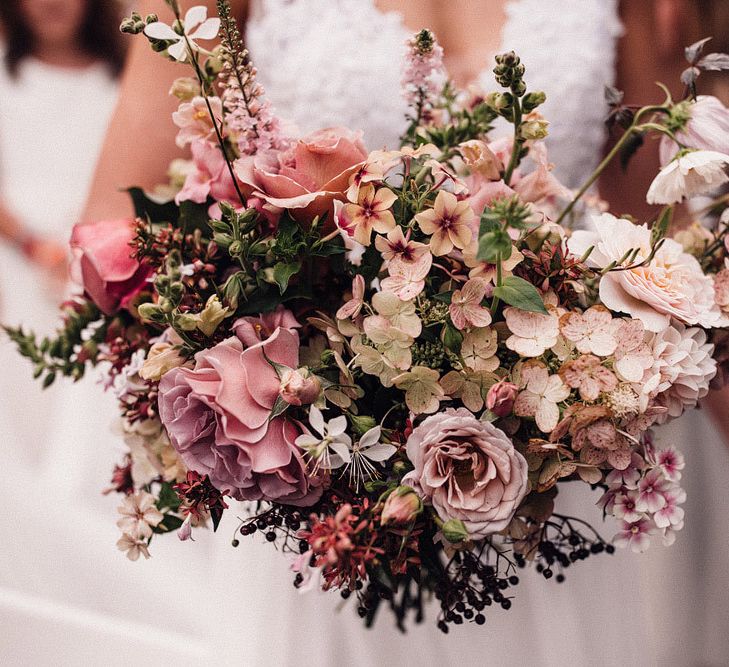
646, 498
423, 69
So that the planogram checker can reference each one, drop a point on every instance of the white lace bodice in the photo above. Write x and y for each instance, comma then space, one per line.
337, 62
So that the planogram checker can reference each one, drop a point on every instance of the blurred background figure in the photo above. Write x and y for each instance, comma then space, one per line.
59, 60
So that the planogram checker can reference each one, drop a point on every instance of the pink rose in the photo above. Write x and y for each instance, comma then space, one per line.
500, 398
309, 176
468, 469
211, 177
401, 507
253, 329
217, 418
103, 263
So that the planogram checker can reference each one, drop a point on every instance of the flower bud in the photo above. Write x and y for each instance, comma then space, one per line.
534, 128
362, 423
184, 532
150, 312
500, 398
532, 100
401, 507
185, 88
454, 531
162, 357
299, 387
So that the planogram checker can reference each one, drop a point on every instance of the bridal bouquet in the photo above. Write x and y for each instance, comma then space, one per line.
396, 358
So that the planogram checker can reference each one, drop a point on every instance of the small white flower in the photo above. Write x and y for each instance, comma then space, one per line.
690, 174
364, 453
196, 26
132, 546
331, 450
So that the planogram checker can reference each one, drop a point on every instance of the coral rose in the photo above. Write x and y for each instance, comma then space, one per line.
103, 263
307, 177
468, 469
217, 417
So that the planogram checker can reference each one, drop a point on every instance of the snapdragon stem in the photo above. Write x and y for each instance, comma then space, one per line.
516, 147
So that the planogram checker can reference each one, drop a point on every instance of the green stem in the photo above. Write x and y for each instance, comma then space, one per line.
516, 147
635, 127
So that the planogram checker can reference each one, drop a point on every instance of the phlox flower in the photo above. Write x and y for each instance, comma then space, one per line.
635, 535
133, 546
671, 463
592, 331
541, 396
671, 515
532, 333
423, 392
447, 223
372, 211
196, 25
441, 174
398, 247
650, 492
687, 175
623, 507
465, 308
139, 514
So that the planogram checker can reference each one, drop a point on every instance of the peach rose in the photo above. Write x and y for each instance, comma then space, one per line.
671, 285
309, 176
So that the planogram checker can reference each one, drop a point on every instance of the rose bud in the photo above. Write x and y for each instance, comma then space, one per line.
401, 506
299, 387
500, 398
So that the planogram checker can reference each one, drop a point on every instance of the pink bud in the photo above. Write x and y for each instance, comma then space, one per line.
298, 387
184, 532
501, 397
401, 506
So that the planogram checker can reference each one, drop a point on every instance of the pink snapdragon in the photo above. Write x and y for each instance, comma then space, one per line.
423, 71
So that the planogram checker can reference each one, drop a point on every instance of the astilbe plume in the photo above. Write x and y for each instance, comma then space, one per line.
250, 117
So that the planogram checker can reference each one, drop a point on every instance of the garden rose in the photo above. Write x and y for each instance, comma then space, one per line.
672, 285
309, 176
253, 329
217, 417
103, 263
468, 469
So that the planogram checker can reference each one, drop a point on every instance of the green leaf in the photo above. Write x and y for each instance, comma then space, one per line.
522, 294
452, 338
661, 225
168, 498
494, 244
489, 223
168, 524
279, 407
445, 297
283, 272
193, 216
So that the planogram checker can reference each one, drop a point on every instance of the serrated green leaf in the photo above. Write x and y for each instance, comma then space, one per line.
279, 407
283, 272
521, 294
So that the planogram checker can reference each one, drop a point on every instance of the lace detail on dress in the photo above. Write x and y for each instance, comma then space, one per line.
569, 49
332, 62
338, 62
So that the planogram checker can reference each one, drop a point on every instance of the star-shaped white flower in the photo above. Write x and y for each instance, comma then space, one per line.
330, 448
196, 26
